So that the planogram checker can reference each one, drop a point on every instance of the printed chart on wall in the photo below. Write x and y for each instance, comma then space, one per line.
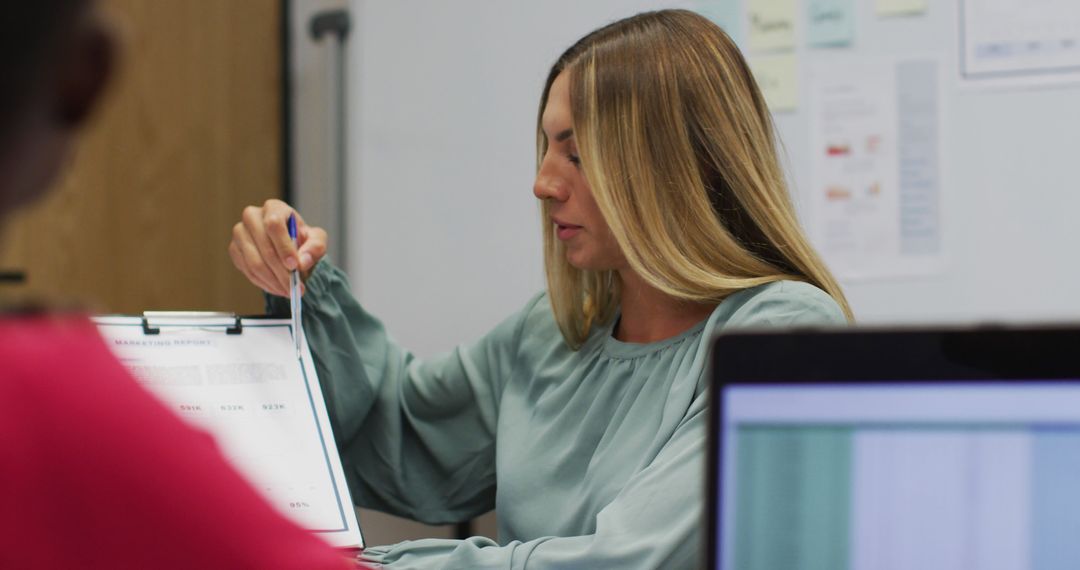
1020, 42
262, 405
876, 167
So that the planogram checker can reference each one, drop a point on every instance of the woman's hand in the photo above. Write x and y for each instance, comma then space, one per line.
263, 251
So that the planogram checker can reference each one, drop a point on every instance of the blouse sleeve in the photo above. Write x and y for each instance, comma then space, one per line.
417, 437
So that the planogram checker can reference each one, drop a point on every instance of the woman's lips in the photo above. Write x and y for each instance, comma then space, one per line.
566, 231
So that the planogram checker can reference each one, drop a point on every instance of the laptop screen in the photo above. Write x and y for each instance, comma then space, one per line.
928, 475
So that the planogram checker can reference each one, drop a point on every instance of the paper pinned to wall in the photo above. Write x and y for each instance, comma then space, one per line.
830, 22
778, 78
771, 24
1014, 42
900, 7
876, 179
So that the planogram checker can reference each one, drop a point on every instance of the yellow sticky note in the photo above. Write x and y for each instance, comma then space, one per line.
778, 78
771, 24
900, 7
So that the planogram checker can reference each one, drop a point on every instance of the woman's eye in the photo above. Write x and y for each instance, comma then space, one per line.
574, 159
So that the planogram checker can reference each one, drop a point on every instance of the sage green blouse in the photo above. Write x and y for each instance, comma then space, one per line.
592, 458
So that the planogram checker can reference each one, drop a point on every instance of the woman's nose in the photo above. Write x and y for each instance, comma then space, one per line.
549, 186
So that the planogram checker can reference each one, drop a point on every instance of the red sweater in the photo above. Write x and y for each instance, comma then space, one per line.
95, 473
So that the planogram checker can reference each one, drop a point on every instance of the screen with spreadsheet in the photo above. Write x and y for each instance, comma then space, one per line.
899, 476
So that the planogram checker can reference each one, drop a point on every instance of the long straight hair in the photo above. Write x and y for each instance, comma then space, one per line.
678, 146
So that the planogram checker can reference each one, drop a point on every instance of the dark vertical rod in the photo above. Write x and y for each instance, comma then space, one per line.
337, 24
286, 103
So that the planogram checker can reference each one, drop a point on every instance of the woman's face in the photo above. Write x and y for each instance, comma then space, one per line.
578, 221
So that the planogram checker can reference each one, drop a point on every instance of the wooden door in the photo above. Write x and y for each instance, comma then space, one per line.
189, 134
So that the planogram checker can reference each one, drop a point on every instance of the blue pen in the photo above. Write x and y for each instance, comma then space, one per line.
294, 288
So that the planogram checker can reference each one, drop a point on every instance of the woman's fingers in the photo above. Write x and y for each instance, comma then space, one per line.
247, 258
263, 251
241, 264
276, 223
312, 245
312, 248
255, 222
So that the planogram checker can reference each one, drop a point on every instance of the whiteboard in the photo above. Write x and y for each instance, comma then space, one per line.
443, 101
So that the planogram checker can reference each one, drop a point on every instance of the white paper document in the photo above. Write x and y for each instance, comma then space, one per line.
263, 406
1020, 42
876, 179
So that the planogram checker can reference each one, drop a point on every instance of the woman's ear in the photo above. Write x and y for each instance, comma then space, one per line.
84, 72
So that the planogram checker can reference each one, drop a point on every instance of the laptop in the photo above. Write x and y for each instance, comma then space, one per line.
877, 450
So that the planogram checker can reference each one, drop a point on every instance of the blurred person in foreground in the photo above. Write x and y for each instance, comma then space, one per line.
94, 472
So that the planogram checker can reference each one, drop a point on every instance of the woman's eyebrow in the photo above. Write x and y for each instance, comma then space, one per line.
564, 135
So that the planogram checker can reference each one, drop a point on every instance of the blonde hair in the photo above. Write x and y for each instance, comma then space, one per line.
679, 149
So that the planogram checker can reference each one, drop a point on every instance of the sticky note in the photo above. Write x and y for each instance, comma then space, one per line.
724, 13
830, 22
771, 24
900, 7
778, 78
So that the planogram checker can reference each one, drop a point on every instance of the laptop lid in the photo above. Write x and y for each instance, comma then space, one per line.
920, 449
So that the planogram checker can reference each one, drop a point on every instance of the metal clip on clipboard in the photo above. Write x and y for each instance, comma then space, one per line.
236, 328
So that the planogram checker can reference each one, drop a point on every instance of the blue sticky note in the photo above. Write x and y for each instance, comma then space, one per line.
725, 13
830, 22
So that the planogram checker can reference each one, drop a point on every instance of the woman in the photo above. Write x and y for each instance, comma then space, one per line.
580, 419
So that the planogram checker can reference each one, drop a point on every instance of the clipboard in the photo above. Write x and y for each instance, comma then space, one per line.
239, 379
